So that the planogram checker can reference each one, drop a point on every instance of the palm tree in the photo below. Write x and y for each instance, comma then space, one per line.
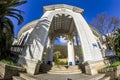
117, 41
7, 10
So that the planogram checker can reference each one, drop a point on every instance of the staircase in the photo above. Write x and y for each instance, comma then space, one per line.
109, 72
105, 78
24, 76
66, 73
99, 77
60, 69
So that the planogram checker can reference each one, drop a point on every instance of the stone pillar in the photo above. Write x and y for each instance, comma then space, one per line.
78, 59
31, 65
92, 67
50, 58
89, 68
49, 52
33, 50
71, 57
91, 51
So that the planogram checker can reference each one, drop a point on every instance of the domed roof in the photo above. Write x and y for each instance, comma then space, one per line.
27, 27
53, 7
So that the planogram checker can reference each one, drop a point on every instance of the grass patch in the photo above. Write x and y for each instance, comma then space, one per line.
115, 64
8, 62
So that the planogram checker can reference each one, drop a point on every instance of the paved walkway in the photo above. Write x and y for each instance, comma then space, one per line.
66, 77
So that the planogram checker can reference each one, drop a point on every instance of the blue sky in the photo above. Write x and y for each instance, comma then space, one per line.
34, 9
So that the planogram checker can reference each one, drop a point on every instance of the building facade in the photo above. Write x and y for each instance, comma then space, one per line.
61, 20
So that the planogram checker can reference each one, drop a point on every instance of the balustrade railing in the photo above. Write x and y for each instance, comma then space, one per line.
16, 49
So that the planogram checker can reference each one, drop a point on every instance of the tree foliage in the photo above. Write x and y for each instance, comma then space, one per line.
7, 10
117, 41
107, 26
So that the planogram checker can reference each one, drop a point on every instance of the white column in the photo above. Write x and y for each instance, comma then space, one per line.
49, 52
50, 58
78, 50
71, 57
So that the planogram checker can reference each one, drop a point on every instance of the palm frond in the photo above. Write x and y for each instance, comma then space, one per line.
16, 16
17, 3
15, 10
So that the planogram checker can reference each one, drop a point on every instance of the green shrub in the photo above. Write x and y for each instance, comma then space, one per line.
61, 56
57, 61
55, 58
61, 63
118, 53
115, 64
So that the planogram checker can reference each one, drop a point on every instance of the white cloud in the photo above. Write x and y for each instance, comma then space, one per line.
62, 40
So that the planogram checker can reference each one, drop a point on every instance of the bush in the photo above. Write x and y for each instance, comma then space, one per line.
61, 63
115, 64
118, 53
61, 56
55, 58
57, 61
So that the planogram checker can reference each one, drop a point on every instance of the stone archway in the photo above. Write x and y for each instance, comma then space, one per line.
33, 50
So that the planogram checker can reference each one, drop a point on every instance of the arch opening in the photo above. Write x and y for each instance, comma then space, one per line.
65, 22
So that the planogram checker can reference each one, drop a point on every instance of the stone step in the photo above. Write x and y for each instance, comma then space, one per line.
105, 78
58, 68
27, 76
1, 74
17, 78
64, 72
2, 71
93, 77
1, 78
97, 77
74, 67
64, 68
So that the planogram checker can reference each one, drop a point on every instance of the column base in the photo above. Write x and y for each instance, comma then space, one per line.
70, 64
31, 66
76, 62
92, 67
49, 62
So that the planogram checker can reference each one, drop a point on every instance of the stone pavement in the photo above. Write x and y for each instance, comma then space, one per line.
68, 77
